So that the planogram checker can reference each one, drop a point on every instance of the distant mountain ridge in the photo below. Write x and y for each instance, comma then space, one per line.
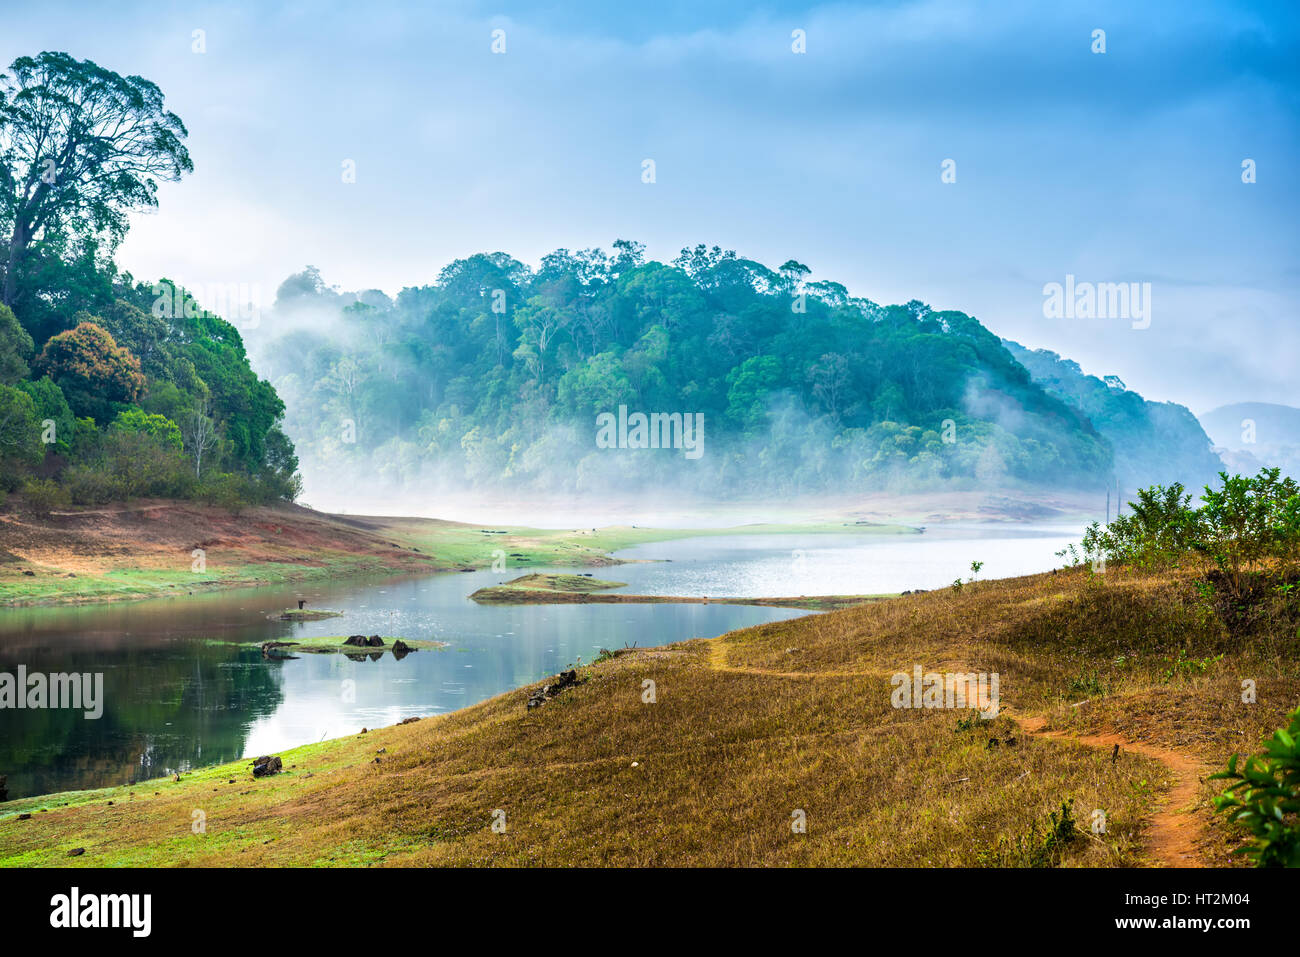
1153, 442
1252, 435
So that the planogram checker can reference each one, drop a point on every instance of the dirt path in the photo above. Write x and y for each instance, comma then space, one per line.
1173, 832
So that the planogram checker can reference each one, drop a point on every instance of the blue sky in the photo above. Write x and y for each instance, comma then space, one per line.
1114, 167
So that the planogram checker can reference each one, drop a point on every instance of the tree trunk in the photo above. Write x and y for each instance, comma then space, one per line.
16, 245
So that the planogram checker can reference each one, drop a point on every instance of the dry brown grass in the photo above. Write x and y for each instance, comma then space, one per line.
746, 730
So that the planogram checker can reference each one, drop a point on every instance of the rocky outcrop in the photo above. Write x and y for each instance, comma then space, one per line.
562, 681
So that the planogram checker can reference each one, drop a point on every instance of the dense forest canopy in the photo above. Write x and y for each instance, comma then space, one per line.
112, 388
712, 374
1154, 442
497, 373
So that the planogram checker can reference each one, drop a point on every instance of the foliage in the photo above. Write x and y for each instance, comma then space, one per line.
15, 348
1247, 523
159, 427
148, 393
1041, 845
1249, 528
80, 147
19, 435
1264, 797
95, 374
497, 372
1152, 441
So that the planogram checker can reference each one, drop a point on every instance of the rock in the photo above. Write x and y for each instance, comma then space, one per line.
565, 679
357, 640
374, 641
24, 817
265, 765
401, 649
408, 720
28, 572
76, 852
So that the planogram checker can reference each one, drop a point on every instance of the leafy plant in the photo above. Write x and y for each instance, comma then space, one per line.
1265, 798
1183, 666
1039, 846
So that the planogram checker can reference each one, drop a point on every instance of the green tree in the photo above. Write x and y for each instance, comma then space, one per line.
20, 441
80, 147
50, 405
94, 372
159, 427
15, 347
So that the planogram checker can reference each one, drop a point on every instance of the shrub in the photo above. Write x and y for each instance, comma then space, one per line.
44, 495
89, 486
1265, 798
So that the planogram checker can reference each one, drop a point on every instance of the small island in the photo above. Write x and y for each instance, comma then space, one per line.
348, 645
305, 614
539, 589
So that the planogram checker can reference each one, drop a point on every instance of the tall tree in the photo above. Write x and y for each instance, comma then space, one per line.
80, 147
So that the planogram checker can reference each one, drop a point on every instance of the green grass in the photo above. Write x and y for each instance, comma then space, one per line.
308, 614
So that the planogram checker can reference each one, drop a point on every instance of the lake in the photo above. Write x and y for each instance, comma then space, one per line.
182, 690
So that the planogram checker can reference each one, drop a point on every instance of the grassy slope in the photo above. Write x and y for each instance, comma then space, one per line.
145, 548
748, 728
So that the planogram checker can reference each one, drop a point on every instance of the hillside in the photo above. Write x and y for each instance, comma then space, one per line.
1255, 435
147, 548
754, 728
1153, 442
501, 375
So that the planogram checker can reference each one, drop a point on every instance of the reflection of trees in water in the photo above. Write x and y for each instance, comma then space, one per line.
165, 709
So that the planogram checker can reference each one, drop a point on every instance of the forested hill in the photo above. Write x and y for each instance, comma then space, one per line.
110, 388
1153, 442
497, 374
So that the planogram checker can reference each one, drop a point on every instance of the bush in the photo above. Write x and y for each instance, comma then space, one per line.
1248, 521
89, 486
1265, 798
44, 495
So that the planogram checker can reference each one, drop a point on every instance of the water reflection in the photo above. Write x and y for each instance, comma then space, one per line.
182, 690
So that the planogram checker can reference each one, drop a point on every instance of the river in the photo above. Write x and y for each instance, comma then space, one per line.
182, 688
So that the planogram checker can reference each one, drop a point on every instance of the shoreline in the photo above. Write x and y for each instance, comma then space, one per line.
734, 706
75, 562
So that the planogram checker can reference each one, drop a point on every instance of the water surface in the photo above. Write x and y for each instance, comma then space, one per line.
183, 690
